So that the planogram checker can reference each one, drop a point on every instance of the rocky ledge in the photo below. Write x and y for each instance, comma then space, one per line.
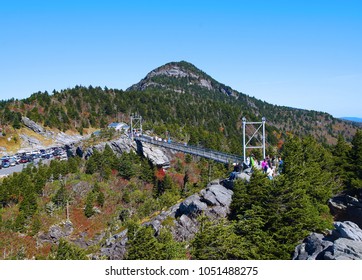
213, 202
344, 242
346, 208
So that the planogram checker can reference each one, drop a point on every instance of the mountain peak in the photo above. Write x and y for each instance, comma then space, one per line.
177, 76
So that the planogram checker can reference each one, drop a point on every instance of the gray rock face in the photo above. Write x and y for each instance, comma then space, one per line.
347, 230
155, 155
33, 125
124, 145
115, 246
343, 243
214, 202
56, 232
243, 176
345, 249
311, 247
192, 206
346, 208
216, 195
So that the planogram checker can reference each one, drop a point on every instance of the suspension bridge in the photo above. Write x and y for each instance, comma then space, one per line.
193, 150
136, 125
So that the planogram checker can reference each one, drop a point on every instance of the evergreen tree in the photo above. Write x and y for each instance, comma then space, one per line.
68, 251
61, 197
100, 199
169, 248
216, 241
142, 244
88, 210
356, 161
341, 160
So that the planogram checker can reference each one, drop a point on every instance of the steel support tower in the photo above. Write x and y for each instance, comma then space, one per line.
136, 124
255, 134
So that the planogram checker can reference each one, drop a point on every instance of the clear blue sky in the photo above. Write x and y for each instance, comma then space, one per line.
305, 54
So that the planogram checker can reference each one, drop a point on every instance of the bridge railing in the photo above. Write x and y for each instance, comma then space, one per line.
193, 150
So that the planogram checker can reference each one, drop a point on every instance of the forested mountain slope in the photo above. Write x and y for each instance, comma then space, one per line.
180, 99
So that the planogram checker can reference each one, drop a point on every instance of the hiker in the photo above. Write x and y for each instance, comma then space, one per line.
248, 162
268, 160
237, 169
269, 173
280, 165
264, 165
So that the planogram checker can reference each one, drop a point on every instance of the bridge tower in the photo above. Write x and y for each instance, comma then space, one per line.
136, 124
255, 133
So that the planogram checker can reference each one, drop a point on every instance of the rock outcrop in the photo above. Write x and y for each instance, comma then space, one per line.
158, 156
56, 232
342, 243
213, 202
346, 208
33, 126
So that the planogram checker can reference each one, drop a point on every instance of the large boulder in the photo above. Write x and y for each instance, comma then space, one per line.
192, 206
347, 230
155, 154
342, 243
345, 249
216, 195
115, 246
312, 247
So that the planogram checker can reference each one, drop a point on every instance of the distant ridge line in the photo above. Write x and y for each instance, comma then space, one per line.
352, 119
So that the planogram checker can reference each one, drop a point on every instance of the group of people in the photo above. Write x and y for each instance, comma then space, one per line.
271, 166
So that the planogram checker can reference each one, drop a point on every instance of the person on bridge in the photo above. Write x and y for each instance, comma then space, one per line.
264, 165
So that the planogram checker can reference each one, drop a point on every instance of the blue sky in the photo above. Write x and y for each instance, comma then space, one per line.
304, 54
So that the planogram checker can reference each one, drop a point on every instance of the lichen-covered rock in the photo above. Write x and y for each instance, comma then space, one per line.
342, 243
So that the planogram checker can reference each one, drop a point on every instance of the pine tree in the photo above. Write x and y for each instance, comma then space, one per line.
169, 248
88, 210
142, 244
356, 161
341, 160
68, 251
216, 241
61, 197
